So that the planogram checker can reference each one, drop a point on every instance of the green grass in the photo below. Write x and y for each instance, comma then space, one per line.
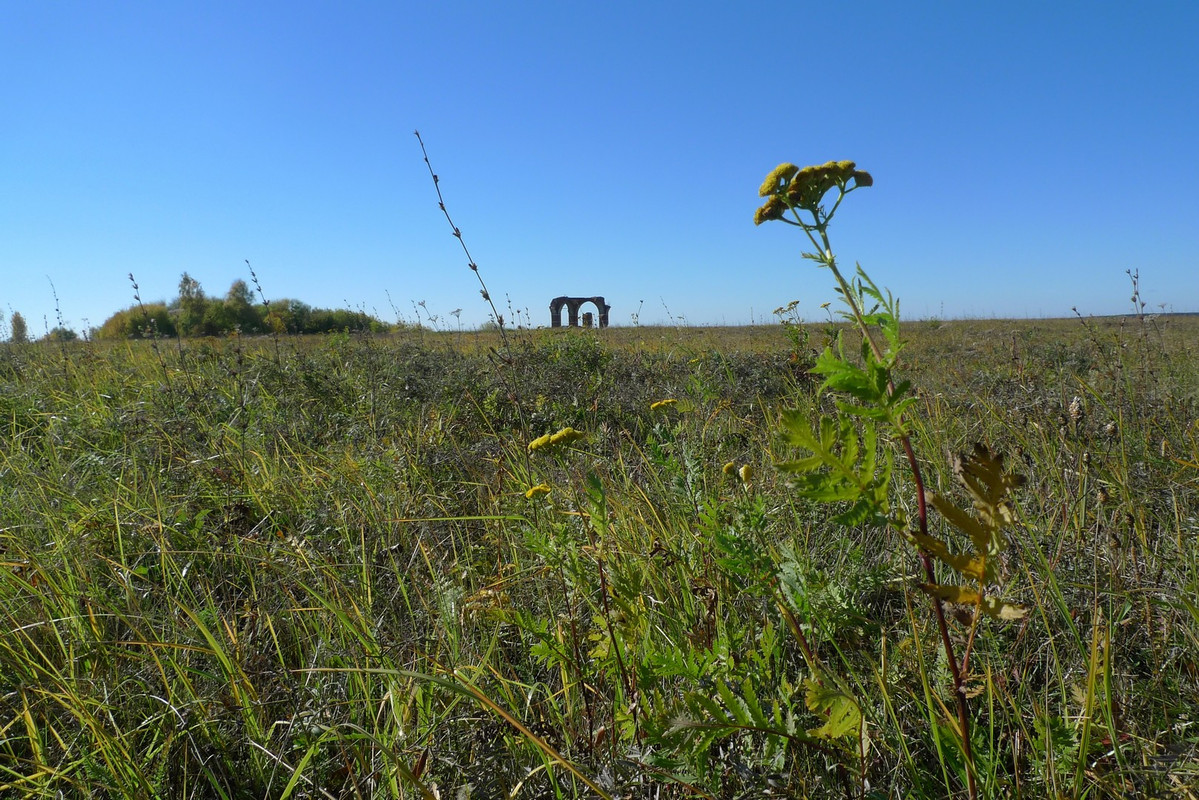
309, 568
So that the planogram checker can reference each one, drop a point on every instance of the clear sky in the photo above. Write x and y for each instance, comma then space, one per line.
1025, 154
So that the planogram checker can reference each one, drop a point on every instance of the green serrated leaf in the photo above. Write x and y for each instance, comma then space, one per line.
844, 717
754, 706
738, 709
808, 464
825, 488
858, 514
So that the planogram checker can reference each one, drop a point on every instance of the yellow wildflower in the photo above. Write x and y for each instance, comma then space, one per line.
782, 174
566, 436
729, 468
562, 437
774, 208
747, 474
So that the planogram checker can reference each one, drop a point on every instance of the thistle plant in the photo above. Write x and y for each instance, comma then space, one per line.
846, 462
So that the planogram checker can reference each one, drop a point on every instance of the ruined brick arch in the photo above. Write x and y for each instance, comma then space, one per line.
573, 304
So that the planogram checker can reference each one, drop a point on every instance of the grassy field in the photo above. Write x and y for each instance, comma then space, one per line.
332, 567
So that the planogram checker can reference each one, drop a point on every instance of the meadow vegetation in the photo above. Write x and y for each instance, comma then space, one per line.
328, 570
639, 562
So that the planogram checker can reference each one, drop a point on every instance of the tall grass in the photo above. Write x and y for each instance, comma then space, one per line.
233, 571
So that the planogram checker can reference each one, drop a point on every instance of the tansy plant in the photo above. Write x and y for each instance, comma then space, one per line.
845, 461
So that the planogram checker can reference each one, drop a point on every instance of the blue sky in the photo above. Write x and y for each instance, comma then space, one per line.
1025, 154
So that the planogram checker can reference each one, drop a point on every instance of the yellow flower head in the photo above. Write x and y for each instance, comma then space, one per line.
551, 440
789, 186
774, 208
566, 436
670, 401
539, 489
747, 474
782, 174
729, 468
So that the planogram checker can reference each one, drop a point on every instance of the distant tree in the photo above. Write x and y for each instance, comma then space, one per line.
138, 322
20, 331
216, 321
287, 316
193, 306
240, 308
61, 334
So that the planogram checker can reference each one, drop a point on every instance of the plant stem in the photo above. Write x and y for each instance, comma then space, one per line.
826, 258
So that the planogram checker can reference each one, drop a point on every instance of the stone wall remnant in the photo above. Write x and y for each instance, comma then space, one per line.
572, 309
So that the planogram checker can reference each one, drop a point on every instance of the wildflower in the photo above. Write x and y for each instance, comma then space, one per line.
746, 473
774, 208
782, 174
562, 437
539, 489
790, 187
729, 468
566, 436
670, 401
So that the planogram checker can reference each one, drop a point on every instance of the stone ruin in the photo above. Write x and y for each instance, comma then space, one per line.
572, 309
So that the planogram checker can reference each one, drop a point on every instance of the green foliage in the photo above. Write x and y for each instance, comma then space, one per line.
842, 467
18, 330
193, 313
61, 334
143, 321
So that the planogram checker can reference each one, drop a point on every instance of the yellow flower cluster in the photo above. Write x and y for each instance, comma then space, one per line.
788, 186
550, 440
745, 472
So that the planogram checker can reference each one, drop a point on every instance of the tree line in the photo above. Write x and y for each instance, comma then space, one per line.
194, 313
